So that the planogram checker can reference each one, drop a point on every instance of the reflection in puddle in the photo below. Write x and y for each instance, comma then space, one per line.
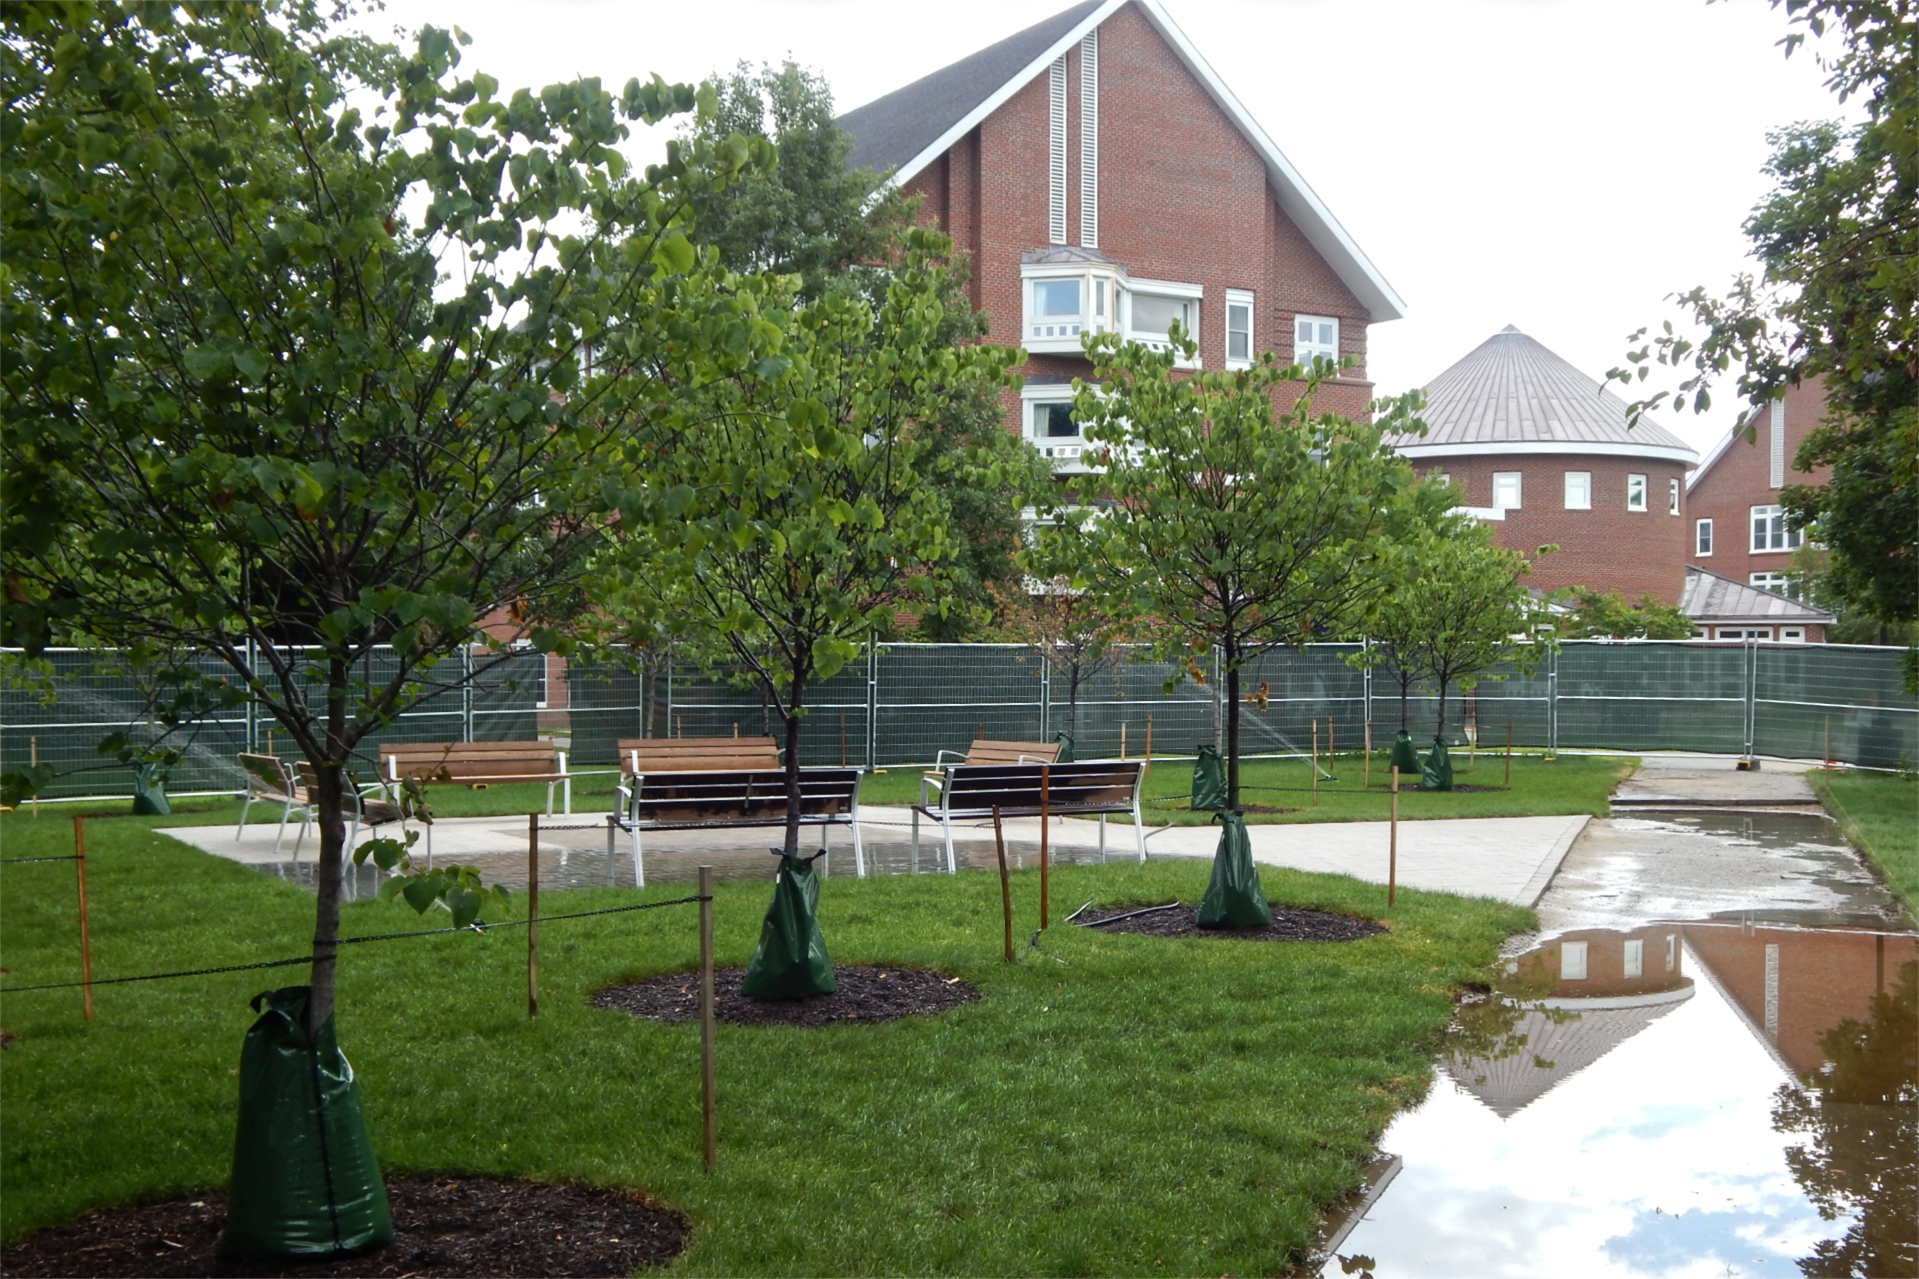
1604, 1113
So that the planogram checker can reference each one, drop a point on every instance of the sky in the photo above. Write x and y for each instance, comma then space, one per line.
1562, 166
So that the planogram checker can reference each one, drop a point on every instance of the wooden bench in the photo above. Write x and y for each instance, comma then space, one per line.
478, 764
727, 798
970, 792
697, 754
297, 785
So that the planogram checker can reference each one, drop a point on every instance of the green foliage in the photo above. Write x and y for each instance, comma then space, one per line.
1595, 615
841, 231
1213, 522
780, 508
1457, 609
252, 411
1879, 813
1837, 299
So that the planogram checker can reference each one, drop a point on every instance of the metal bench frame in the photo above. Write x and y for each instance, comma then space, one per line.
725, 799
427, 761
970, 792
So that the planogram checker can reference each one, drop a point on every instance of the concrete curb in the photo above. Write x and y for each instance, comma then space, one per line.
1542, 876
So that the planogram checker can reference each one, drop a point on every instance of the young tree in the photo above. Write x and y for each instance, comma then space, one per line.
840, 230
1471, 612
1837, 299
1067, 627
782, 508
252, 411
1222, 524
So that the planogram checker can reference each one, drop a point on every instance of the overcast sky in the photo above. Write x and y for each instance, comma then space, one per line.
1558, 166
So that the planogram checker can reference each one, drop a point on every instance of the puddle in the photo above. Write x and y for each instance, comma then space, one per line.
1737, 1094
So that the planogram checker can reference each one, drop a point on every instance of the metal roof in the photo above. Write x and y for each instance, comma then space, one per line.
1511, 395
911, 127
1708, 597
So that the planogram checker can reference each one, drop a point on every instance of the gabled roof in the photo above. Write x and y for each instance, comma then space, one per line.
911, 127
1708, 597
1511, 395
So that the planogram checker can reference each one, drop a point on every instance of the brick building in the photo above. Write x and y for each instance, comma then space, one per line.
1100, 177
1736, 531
1544, 456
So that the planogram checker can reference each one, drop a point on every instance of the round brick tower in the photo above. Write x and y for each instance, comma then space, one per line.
1544, 456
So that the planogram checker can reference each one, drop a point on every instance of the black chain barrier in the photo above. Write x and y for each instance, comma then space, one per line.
65, 857
475, 927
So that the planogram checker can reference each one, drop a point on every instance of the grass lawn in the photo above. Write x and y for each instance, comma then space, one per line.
1147, 1107
1879, 813
1568, 784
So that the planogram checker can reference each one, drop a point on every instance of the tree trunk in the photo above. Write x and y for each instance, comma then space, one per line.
792, 720
331, 814
1072, 700
1231, 654
1439, 726
1405, 686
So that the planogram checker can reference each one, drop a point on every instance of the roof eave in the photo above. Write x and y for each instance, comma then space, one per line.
1560, 448
1301, 203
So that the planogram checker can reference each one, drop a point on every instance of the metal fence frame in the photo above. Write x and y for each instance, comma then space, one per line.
901, 704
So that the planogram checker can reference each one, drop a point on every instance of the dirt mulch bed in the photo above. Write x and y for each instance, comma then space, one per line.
1290, 923
1461, 788
865, 994
442, 1226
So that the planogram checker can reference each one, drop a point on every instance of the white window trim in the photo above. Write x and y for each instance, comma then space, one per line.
1519, 491
1239, 297
1089, 321
1642, 493
1316, 319
1793, 537
1586, 503
1572, 961
1064, 452
1672, 497
1697, 527
1792, 635
1194, 293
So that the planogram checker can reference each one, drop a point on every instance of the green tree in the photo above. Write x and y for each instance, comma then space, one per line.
781, 510
1219, 524
1458, 608
1069, 629
841, 230
1593, 614
1836, 299
253, 411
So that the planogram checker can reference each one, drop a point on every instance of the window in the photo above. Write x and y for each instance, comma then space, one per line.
1792, 635
1672, 498
1579, 490
1777, 582
1741, 633
1239, 328
1506, 490
1635, 959
1150, 308
1635, 492
1054, 421
1572, 961
1314, 336
1702, 537
1769, 531
1065, 300
1051, 427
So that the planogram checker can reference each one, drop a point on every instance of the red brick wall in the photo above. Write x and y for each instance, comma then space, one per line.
1608, 548
1183, 197
1741, 479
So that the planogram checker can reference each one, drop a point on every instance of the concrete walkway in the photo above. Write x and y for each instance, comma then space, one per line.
1507, 858
1716, 781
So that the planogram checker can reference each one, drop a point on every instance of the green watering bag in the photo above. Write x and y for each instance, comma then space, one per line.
791, 961
1233, 897
150, 791
1209, 780
1405, 758
304, 1179
1065, 741
1437, 772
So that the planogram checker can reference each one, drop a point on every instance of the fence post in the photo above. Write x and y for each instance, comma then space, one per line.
466, 692
1552, 705
1219, 725
1045, 696
872, 703
1752, 691
1366, 683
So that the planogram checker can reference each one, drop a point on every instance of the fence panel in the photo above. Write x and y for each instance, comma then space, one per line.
1835, 702
1652, 696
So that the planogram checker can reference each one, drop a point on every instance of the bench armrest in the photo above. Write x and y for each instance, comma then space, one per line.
959, 757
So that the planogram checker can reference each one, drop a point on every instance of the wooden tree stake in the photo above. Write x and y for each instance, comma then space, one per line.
533, 914
1005, 884
1045, 793
86, 959
709, 1130
1392, 843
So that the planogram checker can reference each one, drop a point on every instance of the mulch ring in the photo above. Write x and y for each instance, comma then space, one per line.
1290, 923
441, 1226
865, 993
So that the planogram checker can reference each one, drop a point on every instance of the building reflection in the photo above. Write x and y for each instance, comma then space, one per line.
1559, 1008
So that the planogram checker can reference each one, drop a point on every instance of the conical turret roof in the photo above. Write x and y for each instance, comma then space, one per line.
1511, 395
